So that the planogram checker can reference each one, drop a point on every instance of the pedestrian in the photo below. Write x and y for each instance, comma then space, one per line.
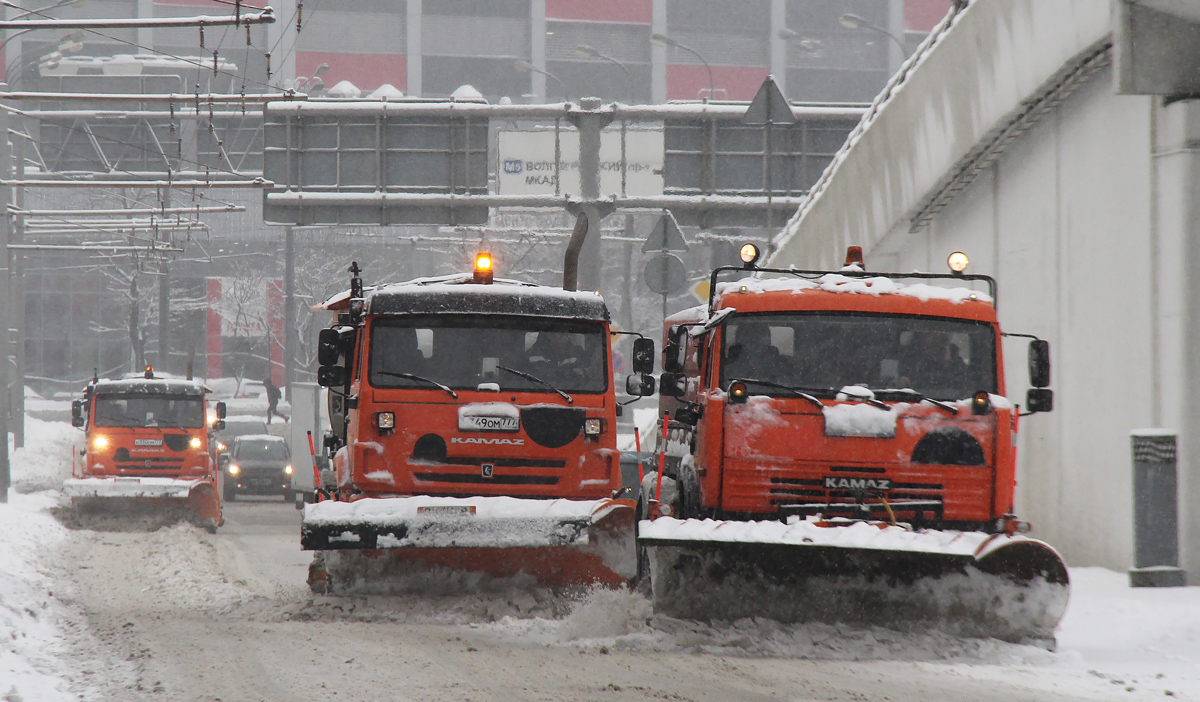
273, 396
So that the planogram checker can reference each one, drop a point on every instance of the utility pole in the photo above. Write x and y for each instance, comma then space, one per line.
590, 124
289, 309
18, 299
6, 259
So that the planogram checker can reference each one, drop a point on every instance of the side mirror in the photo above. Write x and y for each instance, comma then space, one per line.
1039, 363
331, 376
77, 414
221, 411
1039, 400
672, 385
687, 415
672, 361
643, 356
327, 347
222, 458
218, 425
640, 385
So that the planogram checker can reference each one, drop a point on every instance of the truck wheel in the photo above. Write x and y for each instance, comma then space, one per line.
230, 496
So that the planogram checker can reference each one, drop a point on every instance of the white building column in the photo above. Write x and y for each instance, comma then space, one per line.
281, 34
412, 59
779, 45
658, 54
537, 49
895, 27
145, 35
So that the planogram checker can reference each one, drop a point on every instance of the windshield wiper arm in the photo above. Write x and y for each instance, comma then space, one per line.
798, 392
418, 378
921, 398
537, 380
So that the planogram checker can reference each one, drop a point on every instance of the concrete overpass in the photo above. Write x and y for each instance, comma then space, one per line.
1058, 143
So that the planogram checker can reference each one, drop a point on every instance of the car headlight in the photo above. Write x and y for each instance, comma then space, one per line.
220, 446
195, 442
99, 442
288, 469
234, 469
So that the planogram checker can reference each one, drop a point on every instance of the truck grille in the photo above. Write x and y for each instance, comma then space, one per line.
493, 480
151, 464
805, 496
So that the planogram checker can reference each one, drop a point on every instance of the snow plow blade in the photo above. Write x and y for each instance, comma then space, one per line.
963, 583
195, 500
558, 542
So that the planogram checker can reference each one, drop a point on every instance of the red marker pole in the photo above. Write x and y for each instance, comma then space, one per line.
637, 441
312, 451
662, 458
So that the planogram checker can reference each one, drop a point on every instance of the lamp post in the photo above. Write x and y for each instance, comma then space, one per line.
853, 21
304, 85
78, 34
811, 46
664, 40
585, 51
526, 67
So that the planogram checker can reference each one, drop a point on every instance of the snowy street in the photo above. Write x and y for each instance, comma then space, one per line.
178, 614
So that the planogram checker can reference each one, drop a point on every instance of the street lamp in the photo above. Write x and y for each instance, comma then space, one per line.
26, 13
304, 85
853, 21
585, 51
525, 67
664, 40
811, 46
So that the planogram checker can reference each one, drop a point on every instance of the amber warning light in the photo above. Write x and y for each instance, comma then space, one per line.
483, 268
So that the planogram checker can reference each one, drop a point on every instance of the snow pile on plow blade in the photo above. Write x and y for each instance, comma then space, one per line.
132, 498
558, 542
964, 583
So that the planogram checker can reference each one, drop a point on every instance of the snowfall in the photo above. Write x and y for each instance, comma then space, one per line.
1115, 641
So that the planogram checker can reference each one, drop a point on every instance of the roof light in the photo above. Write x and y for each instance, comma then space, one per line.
981, 403
149, 371
483, 268
749, 254
854, 257
737, 392
958, 261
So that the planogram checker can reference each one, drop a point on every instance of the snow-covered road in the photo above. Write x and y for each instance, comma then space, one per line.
178, 614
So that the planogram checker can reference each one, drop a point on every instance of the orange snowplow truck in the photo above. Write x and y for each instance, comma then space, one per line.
841, 448
473, 428
149, 449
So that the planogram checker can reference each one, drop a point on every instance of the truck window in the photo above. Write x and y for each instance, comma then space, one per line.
462, 351
941, 358
144, 410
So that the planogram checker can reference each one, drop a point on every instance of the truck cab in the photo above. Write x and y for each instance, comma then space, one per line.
149, 439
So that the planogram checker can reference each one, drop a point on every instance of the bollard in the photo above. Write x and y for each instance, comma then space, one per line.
1155, 511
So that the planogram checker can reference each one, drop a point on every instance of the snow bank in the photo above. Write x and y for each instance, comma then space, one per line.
859, 420
32, 621
837, 283
45, 459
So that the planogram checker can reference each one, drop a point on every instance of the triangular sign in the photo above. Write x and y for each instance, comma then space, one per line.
769, 106
666, 236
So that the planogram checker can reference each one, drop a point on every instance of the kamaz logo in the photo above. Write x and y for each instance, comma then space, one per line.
835, 483
513, 165
491, 442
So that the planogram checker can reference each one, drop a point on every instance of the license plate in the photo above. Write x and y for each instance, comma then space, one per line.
477, 423
147, 442
447, 510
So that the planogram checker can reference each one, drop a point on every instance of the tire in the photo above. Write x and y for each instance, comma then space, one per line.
231, 496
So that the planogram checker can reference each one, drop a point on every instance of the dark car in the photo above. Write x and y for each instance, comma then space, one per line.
258, 464
236, 426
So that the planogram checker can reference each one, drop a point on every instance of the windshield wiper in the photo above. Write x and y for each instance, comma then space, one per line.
798, 392
909, 392
410, 376
537, 380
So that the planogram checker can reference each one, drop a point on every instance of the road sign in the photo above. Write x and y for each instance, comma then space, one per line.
665, 236
665, 274
701, 290
525, 162
769, 106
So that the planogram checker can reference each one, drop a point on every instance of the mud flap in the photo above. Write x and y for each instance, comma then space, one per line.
1010, 588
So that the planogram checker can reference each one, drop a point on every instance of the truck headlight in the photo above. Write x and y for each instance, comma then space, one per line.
385, 420
593, 427
195, 442
288, 469
99, 442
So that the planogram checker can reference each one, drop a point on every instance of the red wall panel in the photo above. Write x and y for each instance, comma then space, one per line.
634, 11
366, 71
737, 82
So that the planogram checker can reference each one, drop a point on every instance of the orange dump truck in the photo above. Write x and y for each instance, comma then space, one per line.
474, 428
149, 449
841, 449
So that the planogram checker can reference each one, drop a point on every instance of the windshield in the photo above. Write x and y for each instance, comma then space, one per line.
261, 451
142, 410
462, 351
936, 357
